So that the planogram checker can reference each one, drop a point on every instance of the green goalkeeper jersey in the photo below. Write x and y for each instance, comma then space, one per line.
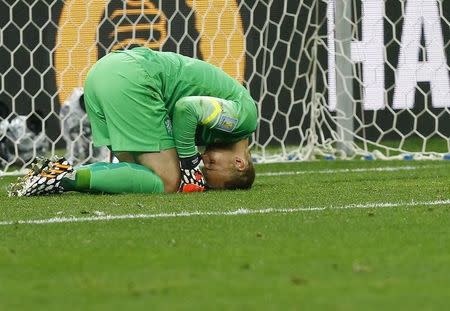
206, 105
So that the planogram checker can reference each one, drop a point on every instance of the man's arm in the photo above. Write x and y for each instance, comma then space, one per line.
189, 113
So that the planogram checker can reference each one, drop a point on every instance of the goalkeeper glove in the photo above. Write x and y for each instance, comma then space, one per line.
192, 179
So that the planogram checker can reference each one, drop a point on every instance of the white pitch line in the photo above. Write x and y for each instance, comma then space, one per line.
350, 170
220, 213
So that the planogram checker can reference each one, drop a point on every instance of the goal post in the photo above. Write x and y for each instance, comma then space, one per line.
331, 78
340, 17
399, 83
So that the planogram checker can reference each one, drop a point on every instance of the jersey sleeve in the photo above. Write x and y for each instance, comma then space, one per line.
210, 112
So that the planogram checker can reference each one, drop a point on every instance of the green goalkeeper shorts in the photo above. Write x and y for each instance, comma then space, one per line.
125, 106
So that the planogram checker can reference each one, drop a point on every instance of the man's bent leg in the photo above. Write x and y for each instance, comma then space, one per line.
114, 178
135, 121
156, 172
165, 164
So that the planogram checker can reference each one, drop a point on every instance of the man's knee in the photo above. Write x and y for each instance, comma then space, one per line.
165, 164
171, 183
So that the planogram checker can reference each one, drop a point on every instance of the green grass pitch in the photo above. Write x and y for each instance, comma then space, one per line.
338, 235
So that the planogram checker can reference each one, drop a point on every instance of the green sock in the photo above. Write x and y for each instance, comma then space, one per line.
114, 178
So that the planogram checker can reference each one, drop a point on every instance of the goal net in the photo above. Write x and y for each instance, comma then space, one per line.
331, 78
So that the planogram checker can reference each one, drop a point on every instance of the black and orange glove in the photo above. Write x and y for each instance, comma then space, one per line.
192, 179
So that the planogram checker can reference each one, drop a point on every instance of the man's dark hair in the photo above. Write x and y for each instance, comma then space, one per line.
242, 179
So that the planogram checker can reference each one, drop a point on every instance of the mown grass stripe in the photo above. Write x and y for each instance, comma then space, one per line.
350, 170
221, 213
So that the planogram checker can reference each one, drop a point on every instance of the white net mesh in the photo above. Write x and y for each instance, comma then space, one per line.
388, 78
336, 78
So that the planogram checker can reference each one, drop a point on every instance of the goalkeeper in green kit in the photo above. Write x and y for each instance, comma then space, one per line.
152, 109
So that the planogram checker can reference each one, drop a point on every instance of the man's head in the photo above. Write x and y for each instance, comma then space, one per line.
228, 166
